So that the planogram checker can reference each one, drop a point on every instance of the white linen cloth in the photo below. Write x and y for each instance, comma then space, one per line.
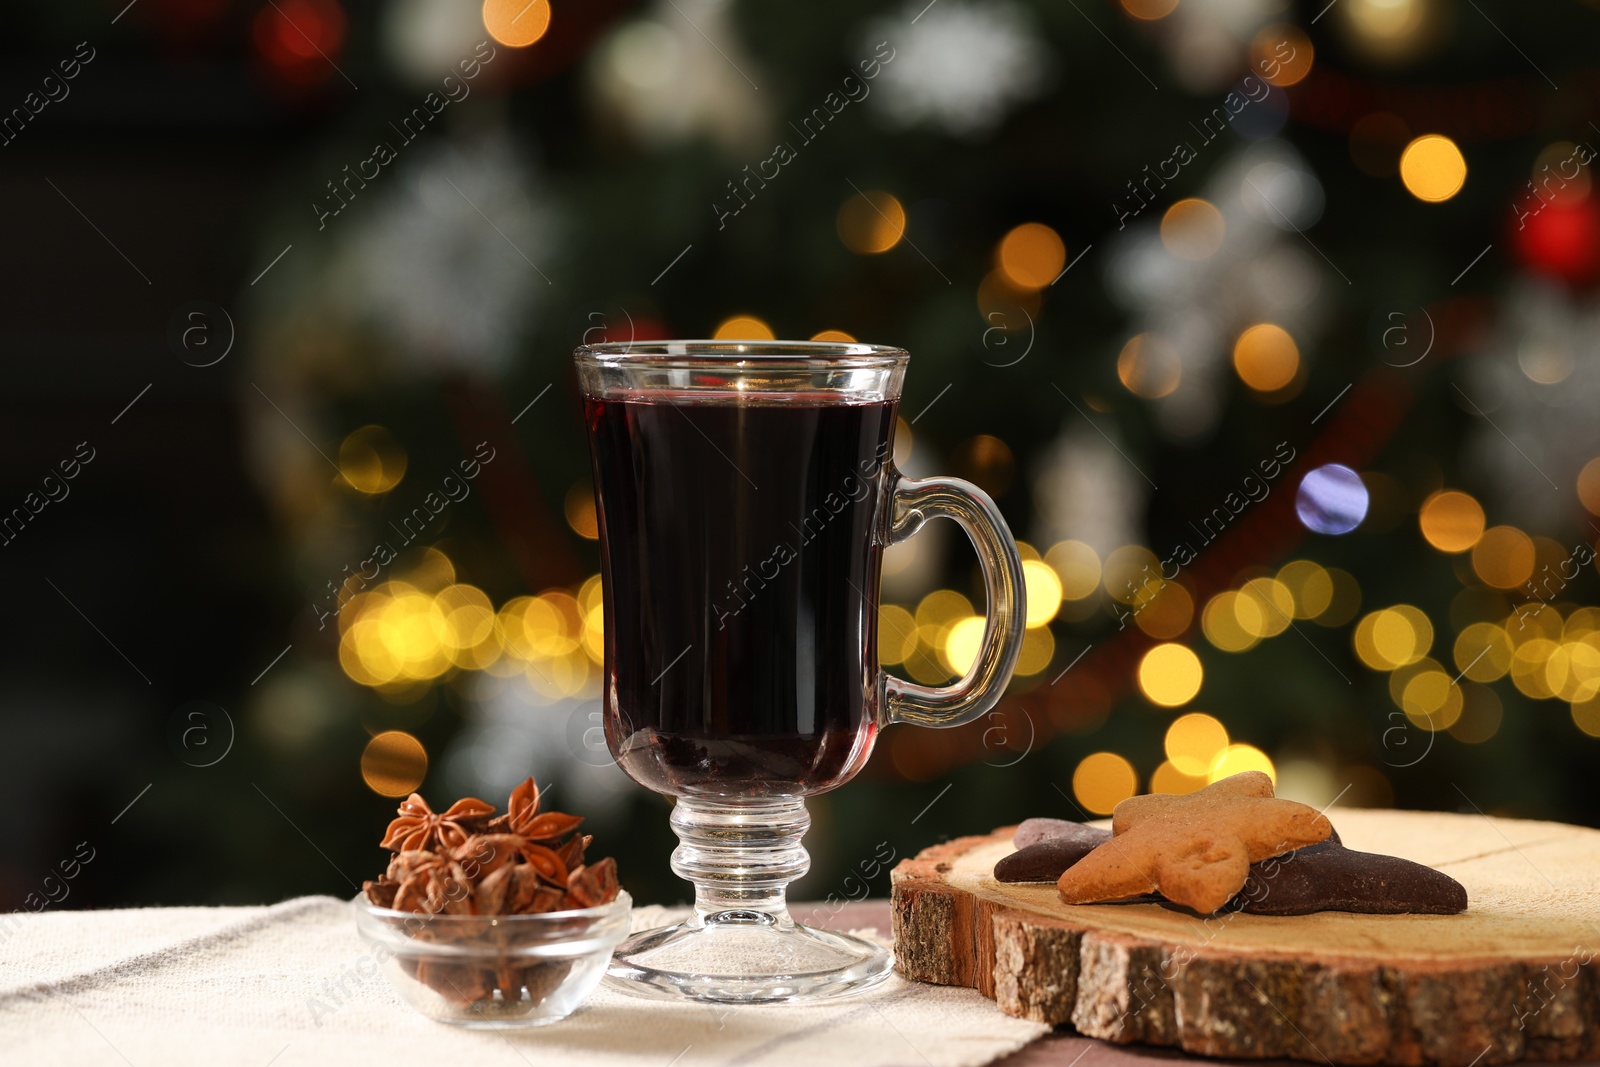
292, 984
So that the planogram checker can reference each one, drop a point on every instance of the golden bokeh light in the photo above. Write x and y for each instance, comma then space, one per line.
1503, 557
516, 23
1167, 614
1102, 781
1031, 255
1193, 741
962, 640
513, 634
463, 621
1266, 357
1192, 229
1528, 664
1581, 623
1223, 626
1309, 585
400, 637
938, 610
393, 637
1401, 676
1393, 637
1149, 367
1586, 716
1273, 606
1431, 700
743, 328
871, 222
1149, 10
927, 666
580, 511
1482, 652
1346, 599
1131, 573
591, 602
897, 634
371, 460
1043, 587
936, 615
1533, 621
1283, 54
431, 571
1078, 567
832, 335
562, 677
1589, 486
1038, 649
1236, 759
1170, 675
1573, 671
552, 624
1452, 521
1432, 168
1007, 310
394, 763
1168, 779
1391, 22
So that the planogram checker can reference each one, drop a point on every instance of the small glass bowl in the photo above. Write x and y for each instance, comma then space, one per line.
495, 972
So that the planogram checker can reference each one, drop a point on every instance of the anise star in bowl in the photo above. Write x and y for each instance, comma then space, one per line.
419, 827
522, 817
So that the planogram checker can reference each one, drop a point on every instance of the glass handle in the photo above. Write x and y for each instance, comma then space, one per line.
915, 500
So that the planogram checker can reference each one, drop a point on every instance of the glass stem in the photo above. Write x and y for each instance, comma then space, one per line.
741, 856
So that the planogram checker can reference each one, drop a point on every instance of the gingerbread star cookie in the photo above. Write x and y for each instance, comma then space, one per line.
1195, 850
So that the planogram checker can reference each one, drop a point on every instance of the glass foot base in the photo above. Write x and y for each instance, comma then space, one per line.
745, 958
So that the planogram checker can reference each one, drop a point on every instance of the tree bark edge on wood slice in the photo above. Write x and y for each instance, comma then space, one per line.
1513, 982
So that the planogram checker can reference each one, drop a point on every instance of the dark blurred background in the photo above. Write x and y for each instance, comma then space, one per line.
1270, 326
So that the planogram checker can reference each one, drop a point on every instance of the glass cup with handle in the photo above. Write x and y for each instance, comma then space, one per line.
746, 492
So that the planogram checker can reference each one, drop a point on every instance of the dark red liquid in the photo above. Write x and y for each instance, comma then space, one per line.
740, 548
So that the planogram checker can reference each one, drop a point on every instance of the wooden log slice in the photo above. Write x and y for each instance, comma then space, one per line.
1509, 979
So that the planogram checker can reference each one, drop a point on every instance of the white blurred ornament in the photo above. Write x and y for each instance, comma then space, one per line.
1260, 269
959, 66
512, 730
1536, 381
446, 263
1207, 41
425, 39
1087, 490
679, 73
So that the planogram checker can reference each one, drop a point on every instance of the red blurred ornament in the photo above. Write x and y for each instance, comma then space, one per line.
300, 39
1561, 239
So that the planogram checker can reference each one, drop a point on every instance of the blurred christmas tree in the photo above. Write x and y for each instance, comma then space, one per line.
1264, 322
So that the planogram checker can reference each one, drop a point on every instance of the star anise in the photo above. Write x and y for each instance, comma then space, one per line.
483, 854
546, 862
419, 827
571, 853
434, 888
467, 861
588, 887
381, 892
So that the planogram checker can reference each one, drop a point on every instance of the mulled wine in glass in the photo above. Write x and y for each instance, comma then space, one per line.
746, 492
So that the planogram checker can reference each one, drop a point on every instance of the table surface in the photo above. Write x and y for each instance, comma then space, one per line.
1056, 1049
